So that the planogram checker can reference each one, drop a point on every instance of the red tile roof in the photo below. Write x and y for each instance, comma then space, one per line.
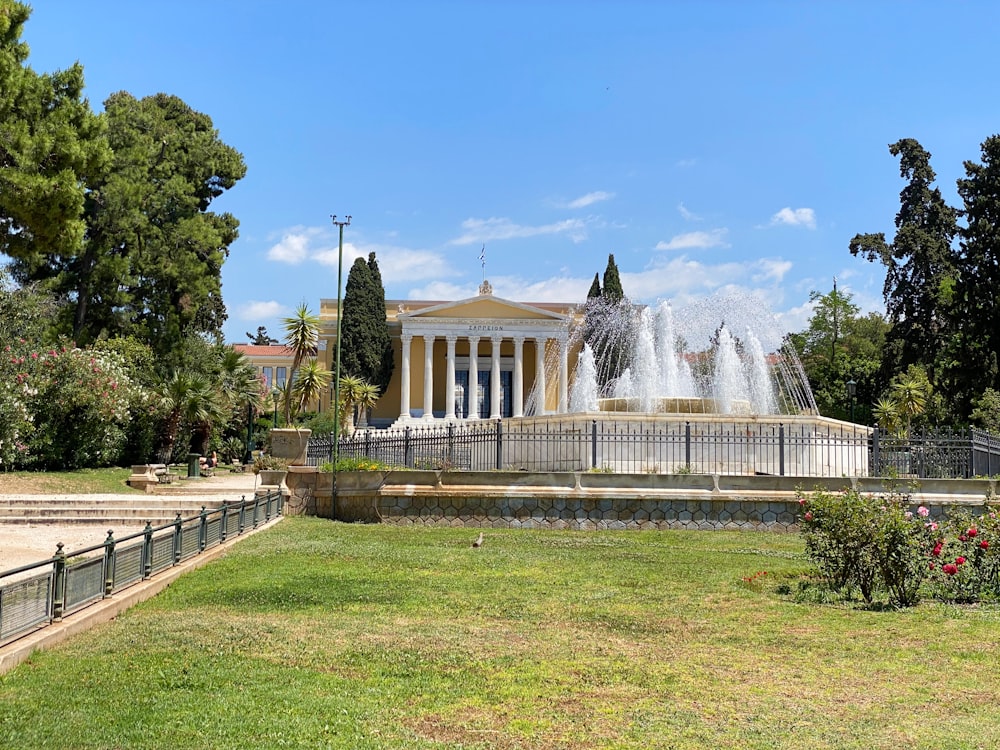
253, 350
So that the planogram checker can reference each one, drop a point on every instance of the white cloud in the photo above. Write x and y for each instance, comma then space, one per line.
691, 240
485, 230
257, 310
294, 246
330, 256
772, 269
795, 217
687, 215
586, 200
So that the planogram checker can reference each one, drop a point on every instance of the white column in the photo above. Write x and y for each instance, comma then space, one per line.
563, 375
473, 378
404, 377
495, 390
449, 383
518, 405
428, 375
540, 374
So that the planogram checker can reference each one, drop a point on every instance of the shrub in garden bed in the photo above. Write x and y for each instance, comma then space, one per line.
877, 546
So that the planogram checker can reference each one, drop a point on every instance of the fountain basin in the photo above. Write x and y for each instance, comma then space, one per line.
673, 405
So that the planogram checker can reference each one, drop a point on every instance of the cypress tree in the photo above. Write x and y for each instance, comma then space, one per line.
382, 343
613, 291
366, 349
595, 288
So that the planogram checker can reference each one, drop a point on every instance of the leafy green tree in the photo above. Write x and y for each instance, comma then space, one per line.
921, 265
840, 345
152, 260
261, 338
974, 365
51, 146
986, 411
366, 348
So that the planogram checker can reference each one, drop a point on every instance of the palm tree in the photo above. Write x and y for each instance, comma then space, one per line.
313, 379
886, 413
910, 397
351, 388
191, 400
302, 338
367, 395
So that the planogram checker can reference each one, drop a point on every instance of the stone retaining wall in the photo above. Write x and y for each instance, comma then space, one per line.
584, 500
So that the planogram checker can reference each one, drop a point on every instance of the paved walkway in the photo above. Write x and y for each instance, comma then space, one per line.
21, 544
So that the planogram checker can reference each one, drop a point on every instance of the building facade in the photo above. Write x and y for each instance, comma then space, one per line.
477, 358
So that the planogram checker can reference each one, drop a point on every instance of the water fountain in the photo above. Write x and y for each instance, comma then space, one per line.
724, 355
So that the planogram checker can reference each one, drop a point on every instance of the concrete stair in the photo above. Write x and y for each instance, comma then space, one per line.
120, 511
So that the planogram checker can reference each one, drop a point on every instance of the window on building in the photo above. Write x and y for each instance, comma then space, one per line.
268, 377
280, 376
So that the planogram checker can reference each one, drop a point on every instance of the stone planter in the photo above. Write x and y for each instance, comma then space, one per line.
290, 444
273, 477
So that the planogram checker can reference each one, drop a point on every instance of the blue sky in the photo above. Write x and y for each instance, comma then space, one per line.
710, 146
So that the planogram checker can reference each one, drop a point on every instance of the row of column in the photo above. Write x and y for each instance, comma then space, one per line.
517, 406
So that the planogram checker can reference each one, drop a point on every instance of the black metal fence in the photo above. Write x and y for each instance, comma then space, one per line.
35, 595
715, 447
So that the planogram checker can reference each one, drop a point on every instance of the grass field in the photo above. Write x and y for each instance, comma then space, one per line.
316, 634
82, 481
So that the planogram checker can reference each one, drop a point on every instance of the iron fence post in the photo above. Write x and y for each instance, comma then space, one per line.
407, 449
147, 550
499, 434
876, 459
223, 520
58, 583
177, 539
203, 530
109, 564
781, 449
593, 444
687, 446
449, 455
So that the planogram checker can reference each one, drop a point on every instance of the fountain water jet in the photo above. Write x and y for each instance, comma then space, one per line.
659, 361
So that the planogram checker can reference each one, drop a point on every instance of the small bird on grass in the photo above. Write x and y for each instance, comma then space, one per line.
479, 541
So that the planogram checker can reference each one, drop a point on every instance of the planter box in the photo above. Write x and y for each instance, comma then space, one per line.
290, 444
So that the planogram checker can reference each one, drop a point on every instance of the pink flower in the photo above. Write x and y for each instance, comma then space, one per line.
959, 560
950, 569
802, 500
962, 538
972, 532
984, 544
931, 566
923, 511
808, 516
908, 515
937, 550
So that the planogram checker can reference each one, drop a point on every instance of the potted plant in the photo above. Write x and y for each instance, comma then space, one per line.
307, 379
270, 469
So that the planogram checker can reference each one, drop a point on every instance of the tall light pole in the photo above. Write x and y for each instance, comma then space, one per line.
334, 451
852, 390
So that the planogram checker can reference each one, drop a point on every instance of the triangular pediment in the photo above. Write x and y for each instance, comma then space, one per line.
486, 307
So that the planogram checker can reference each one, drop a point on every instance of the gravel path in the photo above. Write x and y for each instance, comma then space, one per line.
21, 544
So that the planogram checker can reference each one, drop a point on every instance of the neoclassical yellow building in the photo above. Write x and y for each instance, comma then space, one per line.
477, 358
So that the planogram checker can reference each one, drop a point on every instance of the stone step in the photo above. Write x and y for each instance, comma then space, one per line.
43, 503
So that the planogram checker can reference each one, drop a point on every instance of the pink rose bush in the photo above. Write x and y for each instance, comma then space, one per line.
875, 546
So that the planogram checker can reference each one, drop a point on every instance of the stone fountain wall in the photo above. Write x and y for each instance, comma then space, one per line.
590, 501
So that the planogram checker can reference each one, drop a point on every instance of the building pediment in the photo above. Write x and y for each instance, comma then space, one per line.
486, 308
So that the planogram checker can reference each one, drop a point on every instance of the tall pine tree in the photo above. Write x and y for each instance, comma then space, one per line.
921, 266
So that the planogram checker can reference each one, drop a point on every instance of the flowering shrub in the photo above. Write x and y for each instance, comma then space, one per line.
62, 407
876, 545
354, 464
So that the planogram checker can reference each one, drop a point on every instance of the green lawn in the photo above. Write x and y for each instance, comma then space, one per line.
82, 481
317, 634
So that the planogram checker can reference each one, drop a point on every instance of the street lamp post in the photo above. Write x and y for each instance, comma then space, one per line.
248, 456
274, 396
335, 445
852, 391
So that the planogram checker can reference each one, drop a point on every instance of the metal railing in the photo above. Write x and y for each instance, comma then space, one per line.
35, 595
717, 447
